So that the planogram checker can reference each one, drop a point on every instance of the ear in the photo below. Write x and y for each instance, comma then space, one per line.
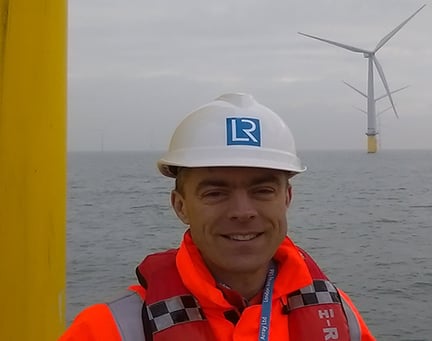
179, 205
288, 195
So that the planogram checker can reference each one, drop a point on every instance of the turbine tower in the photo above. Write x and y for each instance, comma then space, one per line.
372, 60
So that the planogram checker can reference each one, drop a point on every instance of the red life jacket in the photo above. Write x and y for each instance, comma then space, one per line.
315, 312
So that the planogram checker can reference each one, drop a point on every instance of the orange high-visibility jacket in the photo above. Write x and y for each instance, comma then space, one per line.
99, 322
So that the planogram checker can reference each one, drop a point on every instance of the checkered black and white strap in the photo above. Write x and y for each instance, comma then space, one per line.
319, 292
174, 310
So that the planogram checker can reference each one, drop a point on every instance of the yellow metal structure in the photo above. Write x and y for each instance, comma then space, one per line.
32, 169
372, 144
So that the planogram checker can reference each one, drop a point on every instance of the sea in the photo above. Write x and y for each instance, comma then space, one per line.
365, 218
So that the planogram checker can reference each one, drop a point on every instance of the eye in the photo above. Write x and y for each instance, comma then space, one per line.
213, 195
264, 191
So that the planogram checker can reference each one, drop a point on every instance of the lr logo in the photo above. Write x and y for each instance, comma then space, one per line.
243, 131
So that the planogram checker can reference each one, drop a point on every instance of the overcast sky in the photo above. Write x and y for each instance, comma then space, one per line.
137, 67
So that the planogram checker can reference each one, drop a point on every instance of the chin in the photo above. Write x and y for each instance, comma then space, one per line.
244, 267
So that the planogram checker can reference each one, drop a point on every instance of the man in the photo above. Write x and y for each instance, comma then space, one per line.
236, 275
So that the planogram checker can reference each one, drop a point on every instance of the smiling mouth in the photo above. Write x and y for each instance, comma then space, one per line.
243, 237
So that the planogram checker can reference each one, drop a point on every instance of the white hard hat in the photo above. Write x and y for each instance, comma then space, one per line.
233, 130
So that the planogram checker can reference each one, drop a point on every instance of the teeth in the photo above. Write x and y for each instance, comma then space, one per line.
243, 237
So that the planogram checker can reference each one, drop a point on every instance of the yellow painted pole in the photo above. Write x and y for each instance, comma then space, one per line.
372, 144
32, 169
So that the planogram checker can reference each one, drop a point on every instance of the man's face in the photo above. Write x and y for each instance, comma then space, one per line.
237, 216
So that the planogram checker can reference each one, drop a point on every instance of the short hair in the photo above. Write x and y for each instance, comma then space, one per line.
180, 173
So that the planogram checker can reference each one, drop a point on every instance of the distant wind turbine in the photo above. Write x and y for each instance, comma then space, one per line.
370, 55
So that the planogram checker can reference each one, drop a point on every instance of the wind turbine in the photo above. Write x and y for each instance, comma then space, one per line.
372, 60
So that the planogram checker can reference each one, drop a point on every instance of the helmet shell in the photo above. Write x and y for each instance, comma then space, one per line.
232, 131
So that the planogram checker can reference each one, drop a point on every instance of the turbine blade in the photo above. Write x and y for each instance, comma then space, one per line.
392, 92
357, 90
363, 111
383, 111
383, 79
348, 47
395, 30
400, 89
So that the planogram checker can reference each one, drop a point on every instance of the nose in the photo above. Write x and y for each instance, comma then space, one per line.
241, 206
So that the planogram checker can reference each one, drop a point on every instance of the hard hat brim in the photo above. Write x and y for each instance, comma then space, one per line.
218, 157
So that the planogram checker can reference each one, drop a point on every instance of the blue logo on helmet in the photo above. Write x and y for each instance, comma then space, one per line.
244, 131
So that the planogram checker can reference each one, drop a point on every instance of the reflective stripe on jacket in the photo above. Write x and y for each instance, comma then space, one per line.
126, 312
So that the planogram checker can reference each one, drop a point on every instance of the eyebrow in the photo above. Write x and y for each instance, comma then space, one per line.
224, 183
